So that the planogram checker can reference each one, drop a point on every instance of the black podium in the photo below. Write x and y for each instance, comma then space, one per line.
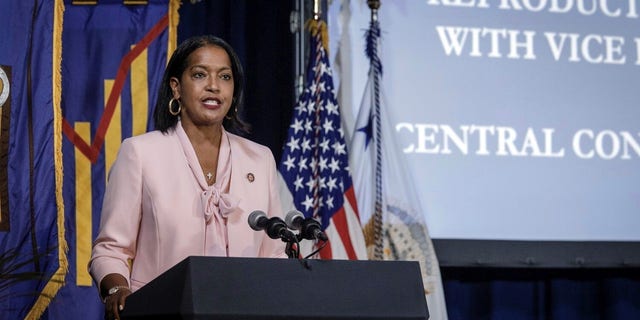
261, 288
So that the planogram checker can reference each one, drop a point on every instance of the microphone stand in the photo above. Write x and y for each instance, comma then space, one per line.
293, 252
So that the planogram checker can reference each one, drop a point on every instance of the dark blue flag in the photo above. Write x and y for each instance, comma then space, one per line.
33, 260
114, 55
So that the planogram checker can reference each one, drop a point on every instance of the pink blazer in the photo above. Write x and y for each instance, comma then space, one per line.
153, 212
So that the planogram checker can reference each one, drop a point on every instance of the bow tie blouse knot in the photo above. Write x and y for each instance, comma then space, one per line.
217, 204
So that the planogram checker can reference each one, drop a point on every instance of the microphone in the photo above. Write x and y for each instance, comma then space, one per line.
309, 227
274, 226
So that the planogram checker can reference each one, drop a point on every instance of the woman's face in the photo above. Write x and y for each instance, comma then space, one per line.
205, 88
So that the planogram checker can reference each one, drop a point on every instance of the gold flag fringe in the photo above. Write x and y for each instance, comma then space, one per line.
57, 280
319, 26
174, 20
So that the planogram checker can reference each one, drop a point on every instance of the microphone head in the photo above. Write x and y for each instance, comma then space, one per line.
294, 219
311, 229
257, 220
276, 228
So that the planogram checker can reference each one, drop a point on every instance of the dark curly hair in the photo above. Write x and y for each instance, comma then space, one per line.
178, 63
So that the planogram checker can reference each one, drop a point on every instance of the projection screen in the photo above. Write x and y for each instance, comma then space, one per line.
519, 121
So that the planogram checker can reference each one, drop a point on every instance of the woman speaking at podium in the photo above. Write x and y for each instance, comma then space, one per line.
187, 188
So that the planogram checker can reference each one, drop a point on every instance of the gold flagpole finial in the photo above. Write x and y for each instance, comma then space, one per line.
317, 10
374, 5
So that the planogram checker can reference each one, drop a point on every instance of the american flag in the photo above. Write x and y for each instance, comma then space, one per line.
315, 163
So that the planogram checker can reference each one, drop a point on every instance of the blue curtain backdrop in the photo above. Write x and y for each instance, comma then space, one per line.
259, 31
486, 293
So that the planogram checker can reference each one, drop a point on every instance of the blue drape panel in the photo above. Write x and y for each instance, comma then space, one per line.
527, 294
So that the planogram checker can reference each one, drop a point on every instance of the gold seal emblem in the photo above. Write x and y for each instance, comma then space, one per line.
4, 87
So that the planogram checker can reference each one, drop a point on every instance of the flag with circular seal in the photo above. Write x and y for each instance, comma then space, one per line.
33, 261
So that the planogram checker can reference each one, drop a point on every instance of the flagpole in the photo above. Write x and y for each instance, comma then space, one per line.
317, 10
372, 51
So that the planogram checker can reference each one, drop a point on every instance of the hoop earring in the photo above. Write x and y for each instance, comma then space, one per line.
175, 113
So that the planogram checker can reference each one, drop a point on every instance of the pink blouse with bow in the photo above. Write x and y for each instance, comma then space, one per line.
158, 208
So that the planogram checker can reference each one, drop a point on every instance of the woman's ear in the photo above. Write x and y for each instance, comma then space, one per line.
174, 83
